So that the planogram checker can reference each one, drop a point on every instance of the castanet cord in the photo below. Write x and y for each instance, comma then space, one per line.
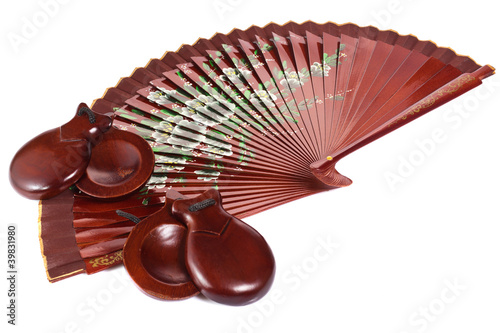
201, 205
129, 216
89, 112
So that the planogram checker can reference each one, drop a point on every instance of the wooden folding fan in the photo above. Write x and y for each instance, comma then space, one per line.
262, 115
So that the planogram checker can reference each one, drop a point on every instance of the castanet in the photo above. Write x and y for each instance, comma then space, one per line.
229, 261
121, 164
154, 256
211, 252
103, 161
54, 160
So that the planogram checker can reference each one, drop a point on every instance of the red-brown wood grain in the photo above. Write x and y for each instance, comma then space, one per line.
229, 261
120, 164
54, 160
154, 256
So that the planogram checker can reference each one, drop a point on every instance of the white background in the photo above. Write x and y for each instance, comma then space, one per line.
399, 248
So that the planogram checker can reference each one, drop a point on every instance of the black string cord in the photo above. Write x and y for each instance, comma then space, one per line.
89, 112
201, 205
129, 216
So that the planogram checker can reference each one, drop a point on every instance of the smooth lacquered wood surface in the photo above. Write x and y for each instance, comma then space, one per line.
120, 164
54, 160
229, 261
154, 256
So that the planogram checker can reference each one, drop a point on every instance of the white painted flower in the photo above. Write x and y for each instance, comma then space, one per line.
158, 97
194, 126
320, 70
169, 163
264, 97
235, 75
180, 131
231, 73
245, 72
164, 126
157, 182
204, 120
181, 143
168, 92
195, 104
162, 132
227, 104
188, 112
224, 109
292, 80
207, 175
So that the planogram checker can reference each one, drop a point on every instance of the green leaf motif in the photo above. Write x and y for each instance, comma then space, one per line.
290, 119
140, 113
147, 132
127, 116
179, 180
158, 119
150, 123
168, 112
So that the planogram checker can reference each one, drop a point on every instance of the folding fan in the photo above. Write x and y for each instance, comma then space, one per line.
262, 115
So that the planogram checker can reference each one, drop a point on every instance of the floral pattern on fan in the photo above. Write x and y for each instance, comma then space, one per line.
320, 70
206, 111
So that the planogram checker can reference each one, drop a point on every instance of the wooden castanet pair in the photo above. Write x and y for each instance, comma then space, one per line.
194, 245
103, 161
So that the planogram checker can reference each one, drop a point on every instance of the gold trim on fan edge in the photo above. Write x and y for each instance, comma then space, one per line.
291, 21
50, 278
428, 101
104, 261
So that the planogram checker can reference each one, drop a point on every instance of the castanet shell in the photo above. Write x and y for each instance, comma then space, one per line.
229, 261
154, 257
54, 160
120, 164
46, 166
